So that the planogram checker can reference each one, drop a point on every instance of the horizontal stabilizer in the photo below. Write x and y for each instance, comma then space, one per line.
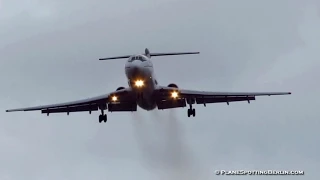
147, 53
172, 54
117, 57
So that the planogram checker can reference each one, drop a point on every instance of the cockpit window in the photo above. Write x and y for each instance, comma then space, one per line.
137, 58
142, 58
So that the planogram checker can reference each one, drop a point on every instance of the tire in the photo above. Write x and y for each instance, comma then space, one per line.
100, 118
105, 118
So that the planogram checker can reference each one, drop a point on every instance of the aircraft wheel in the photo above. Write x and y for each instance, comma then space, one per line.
194, 112
189, 112
105, 118
100, 118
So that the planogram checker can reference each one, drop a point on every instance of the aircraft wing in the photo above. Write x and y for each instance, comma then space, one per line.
90, 104
206, 97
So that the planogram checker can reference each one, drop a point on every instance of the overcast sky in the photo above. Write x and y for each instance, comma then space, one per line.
49, 53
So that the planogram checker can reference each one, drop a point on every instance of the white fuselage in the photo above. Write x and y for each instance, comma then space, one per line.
137, 68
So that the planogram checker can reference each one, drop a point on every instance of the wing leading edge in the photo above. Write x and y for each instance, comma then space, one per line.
194, 93
90, 104
206, 97
93, 100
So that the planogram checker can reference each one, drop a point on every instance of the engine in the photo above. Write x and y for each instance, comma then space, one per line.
172, 85
119, 88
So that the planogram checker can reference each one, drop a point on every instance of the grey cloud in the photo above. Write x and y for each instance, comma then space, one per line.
49, 52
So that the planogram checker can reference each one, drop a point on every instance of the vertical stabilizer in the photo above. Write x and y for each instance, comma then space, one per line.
147, 52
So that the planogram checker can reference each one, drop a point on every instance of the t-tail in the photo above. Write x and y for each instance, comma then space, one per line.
148, 54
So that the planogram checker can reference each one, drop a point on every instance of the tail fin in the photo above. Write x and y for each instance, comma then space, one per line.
147, 53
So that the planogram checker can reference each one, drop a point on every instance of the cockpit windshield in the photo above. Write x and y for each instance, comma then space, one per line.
133, 58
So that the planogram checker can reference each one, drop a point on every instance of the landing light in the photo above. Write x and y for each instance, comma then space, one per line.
139, 83
114, 98
174, 95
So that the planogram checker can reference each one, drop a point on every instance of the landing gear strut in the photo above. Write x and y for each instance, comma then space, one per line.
102, 117
191, 111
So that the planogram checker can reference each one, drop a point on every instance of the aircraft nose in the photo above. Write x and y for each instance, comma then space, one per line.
135, 65
134, 69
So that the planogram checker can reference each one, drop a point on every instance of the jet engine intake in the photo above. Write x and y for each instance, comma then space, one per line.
172, 85
119, 88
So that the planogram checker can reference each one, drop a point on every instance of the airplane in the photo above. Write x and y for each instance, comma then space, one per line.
144, 91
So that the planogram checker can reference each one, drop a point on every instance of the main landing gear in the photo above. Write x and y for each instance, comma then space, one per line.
191, 111
102, 117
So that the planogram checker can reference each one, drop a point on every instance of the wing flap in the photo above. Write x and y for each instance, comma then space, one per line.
220, 99
118, 107
173, 103
206, 93
71, 109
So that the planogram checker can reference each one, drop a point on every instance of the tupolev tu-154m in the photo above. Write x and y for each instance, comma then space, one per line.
144, 91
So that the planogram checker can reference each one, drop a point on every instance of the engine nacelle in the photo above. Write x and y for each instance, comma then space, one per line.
172, 85
119, 88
